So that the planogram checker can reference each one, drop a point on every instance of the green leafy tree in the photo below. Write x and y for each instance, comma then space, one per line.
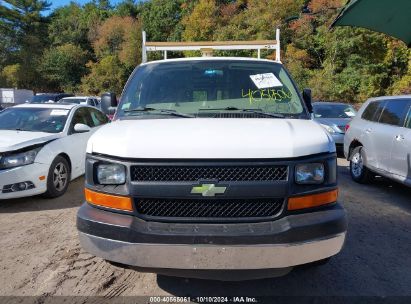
11, 75
108, 74
69, 24
118, 49
201, 24
64, 66
348, 64
127, 8
160, 19
25, 30
121, 37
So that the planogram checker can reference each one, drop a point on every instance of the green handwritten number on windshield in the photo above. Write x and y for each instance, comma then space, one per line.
270, 94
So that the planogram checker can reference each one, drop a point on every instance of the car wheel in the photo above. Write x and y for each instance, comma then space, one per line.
58, 178
359, 172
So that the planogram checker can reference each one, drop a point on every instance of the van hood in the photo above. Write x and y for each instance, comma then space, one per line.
211, 138
15, 140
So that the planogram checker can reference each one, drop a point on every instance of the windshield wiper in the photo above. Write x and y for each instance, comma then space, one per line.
20, 129
254, 111
164, 111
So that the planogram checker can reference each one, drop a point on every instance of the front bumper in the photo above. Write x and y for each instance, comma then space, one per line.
28, 173
289, 241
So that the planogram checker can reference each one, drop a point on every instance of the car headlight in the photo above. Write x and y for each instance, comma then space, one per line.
111, 174
18, 159
309, 173
328, 128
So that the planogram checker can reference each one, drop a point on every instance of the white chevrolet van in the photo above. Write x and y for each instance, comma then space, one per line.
211, 164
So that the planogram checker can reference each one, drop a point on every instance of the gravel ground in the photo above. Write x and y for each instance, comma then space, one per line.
41, 256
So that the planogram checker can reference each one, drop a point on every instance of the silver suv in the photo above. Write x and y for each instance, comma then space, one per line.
378, 140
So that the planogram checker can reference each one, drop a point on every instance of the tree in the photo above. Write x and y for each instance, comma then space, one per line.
25, 30
258, 19
64, 66
106, 75
69, 25
121, 37
11, 75
202, 22
127, 8
118, 50
160, 19
348, 64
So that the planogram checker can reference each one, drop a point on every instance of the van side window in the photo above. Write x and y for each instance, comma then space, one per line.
394, 112
369, 112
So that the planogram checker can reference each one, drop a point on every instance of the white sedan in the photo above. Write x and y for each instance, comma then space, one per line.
43, 147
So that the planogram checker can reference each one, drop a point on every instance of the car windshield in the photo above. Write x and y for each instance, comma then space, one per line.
72, 100
33, 119
43, 98
211, 86
333, 111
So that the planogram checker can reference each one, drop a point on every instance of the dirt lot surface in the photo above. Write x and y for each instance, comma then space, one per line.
40, 254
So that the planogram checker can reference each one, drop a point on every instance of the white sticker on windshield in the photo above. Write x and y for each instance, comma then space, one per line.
59, 112
267, 80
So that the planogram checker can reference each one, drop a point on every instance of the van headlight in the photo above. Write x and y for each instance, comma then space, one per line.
18, 159
111, 174
309, 173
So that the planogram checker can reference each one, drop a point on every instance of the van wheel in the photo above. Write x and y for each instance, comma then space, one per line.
58, 178
359, 172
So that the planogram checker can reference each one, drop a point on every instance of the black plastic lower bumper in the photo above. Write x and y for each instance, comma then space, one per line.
294, 228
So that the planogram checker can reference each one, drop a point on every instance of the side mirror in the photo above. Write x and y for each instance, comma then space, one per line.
81, 128
308, 99
108, 100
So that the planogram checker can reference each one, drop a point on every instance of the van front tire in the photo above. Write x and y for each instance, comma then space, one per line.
359, 172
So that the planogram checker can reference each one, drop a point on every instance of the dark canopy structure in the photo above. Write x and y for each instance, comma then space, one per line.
392, 17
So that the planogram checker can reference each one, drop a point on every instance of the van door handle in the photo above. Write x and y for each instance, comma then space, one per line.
399, 137
368, 130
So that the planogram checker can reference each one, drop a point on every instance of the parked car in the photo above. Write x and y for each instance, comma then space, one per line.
98, 98
84, 100
378, 140
48, 97
212, 164
42, 147
334, 117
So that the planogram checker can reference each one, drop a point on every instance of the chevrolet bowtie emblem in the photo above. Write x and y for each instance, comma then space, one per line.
208, 190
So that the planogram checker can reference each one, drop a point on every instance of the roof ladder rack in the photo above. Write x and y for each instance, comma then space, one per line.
207, 47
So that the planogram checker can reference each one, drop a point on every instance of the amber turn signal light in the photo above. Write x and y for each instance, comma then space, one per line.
108, 200
312, 200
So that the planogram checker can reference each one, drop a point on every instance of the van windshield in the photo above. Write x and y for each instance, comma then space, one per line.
211, 86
